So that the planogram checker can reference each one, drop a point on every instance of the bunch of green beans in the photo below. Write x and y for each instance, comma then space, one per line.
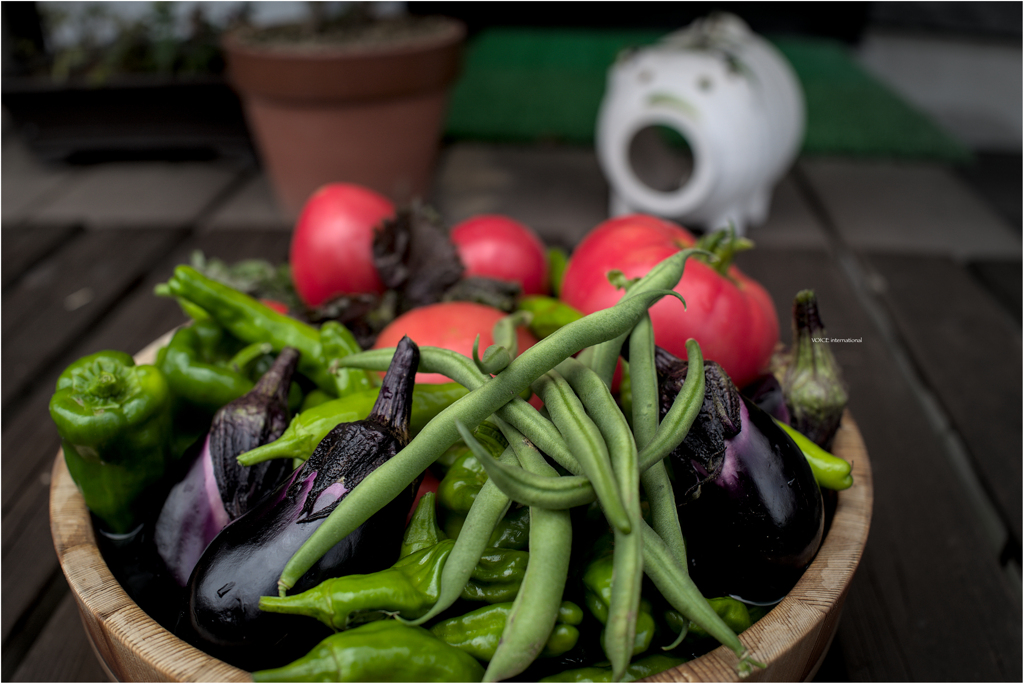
588, 436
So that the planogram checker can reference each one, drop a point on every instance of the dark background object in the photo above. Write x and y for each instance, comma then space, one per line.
843, 21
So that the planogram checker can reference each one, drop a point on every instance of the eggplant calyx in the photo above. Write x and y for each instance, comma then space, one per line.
256, 418
351, 451
702, 453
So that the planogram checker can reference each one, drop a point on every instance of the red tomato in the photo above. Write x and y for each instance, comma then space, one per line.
331, 251
451, 325
732, 317
498, 247
279, 307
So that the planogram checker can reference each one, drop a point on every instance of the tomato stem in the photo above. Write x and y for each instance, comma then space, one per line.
724, 244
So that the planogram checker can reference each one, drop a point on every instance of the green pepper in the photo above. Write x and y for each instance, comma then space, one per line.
830, 472
252, 321
733, 612
549, 314
478, 632
193, 375
638, 669
460, 485
597, 584
511, 532
497, 576
309, 427
422, 532
382, 651
114, 421
558, 261
409, 587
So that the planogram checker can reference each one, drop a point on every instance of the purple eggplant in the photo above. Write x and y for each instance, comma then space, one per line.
245, 560
750, 510
216, 489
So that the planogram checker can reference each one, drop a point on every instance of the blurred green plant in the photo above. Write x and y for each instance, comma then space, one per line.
107, 44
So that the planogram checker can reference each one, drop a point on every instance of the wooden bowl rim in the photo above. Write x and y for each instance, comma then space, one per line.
823, 584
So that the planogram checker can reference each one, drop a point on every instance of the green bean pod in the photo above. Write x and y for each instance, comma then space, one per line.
684, 410
536, 608
586, 443
549, 493
488, 508
387, 481
627, 559
462, 370
682, 594
643, 380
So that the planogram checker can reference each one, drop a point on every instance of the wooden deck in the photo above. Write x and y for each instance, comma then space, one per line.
906, 259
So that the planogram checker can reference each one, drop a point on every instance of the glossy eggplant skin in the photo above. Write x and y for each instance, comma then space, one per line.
749, 507
245, 560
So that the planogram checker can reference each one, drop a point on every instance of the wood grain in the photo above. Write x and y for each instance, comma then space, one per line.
791, 640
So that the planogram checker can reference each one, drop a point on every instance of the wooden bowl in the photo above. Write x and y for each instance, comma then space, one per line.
791, 640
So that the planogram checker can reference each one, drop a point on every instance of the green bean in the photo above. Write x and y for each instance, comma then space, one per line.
586, 443
387, 481
535, 609
462, 370
604, 357
488, 508
549, 493
504, 331
496, 358
627, 560
684, 410
682, 594
643, 380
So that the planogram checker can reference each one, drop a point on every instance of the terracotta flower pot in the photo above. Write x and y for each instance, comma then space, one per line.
369, 114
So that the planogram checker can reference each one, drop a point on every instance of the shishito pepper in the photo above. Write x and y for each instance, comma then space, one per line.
114, 421
478, 632
252, 322
381, 651
411, 586
735, 613
597, 583
312, 425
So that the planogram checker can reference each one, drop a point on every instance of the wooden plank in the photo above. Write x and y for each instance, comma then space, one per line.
927, 582
29, 441
62, 653
26, 245
1002, 279
62, 297
970, 355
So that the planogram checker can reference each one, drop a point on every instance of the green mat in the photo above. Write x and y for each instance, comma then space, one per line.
529, 85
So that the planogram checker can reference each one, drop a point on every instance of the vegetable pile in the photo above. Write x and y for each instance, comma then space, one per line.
422, 464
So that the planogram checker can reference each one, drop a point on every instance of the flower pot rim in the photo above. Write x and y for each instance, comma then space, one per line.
454, 32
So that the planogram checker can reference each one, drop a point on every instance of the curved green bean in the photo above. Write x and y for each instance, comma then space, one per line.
682, 594
462, 370
488, 508
627, 559
586, 443
643, 382
387, 481
684, 410
519, 484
